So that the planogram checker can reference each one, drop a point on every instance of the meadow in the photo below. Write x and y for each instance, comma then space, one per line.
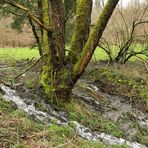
25, 53
100, 54
18, 53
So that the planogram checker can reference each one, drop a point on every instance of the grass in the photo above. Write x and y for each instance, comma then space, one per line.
143, 136
19, 130
16, 127
82, 113
24, 53
18, 53
129, 80
100, 54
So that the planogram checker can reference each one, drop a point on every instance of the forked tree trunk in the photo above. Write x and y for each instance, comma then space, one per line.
61, 72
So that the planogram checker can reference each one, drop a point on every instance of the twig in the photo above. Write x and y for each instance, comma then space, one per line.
145, 63
29, 67
72, 52
29, 13
7, 140
62, 145
7, 66
70, 16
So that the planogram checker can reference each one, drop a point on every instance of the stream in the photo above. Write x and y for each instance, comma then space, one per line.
91, 97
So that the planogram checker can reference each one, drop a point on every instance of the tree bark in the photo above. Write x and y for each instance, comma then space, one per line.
56, 74
60, 73
81, 28
94, 37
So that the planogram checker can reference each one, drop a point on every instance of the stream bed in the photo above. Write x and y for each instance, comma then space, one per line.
93, 97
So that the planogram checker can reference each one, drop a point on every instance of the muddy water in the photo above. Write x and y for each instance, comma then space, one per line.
114, 107
11, 95
92, 98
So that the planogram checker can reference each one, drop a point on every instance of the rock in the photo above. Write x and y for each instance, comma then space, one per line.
143, 124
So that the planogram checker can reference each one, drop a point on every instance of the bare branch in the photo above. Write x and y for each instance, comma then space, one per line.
30, 67
69, 16
124, 20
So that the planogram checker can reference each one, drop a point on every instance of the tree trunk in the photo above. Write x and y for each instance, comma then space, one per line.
56, 74
60, 73
57, 83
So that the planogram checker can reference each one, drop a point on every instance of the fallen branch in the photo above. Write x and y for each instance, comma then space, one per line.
18, 65
29, 67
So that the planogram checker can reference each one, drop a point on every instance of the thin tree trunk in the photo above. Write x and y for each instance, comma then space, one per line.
81, 29
36, 36
94, 37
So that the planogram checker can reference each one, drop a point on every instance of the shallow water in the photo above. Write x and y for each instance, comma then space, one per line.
11, 95
82, 131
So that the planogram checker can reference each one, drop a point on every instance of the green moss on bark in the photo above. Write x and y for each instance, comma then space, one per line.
45, 81
57, 85
94, 37
81, 28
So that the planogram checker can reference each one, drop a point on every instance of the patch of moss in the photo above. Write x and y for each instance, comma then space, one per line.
63, 130
19, 113
73, 116
61, 133
30, 83
40, 106
91, 144
120, 146
6, 107
143, 136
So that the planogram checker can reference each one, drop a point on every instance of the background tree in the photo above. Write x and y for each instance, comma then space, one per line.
61, 71
127, 36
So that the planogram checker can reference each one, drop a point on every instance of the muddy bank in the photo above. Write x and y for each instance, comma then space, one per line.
111, 107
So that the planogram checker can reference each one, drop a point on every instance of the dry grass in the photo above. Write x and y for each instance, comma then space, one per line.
11, 38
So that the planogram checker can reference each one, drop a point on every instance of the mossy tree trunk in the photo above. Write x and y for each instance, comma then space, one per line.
60, 71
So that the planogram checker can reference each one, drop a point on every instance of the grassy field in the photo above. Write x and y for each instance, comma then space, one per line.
18, 53
24, 53
100, 54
